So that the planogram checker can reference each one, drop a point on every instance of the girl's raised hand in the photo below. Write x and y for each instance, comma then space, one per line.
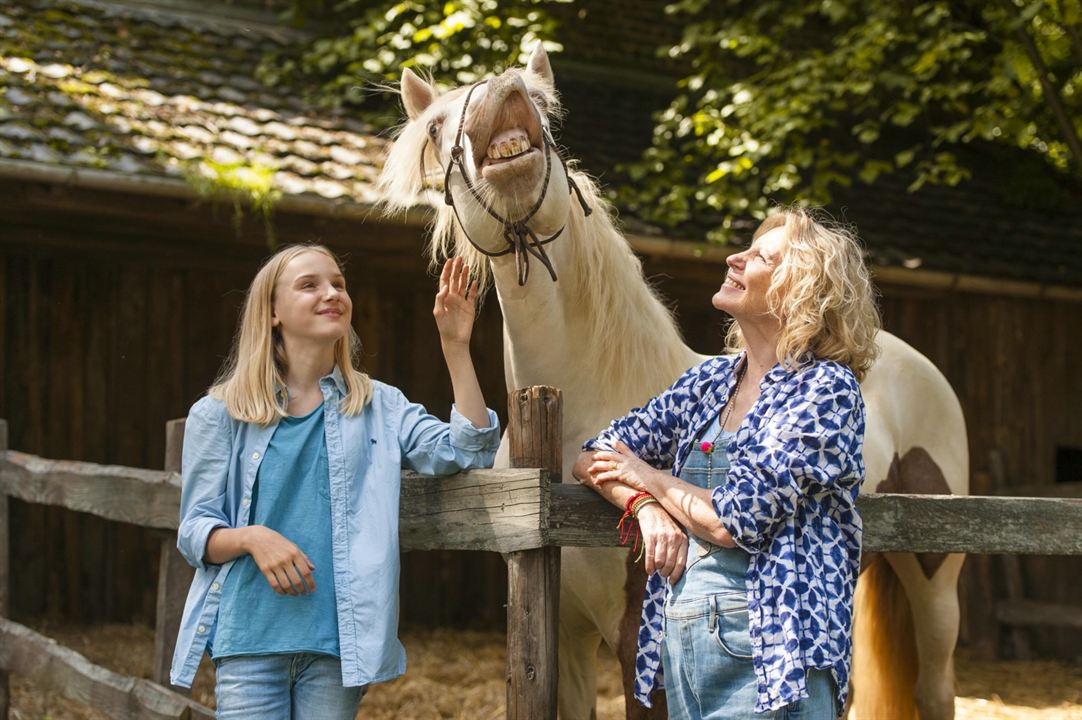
456, 303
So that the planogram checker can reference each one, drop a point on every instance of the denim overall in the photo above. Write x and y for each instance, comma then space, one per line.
706, 651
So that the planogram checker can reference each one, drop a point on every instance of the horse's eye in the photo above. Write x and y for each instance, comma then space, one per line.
433, 129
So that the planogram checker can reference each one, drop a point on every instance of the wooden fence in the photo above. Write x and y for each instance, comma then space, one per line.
523, 512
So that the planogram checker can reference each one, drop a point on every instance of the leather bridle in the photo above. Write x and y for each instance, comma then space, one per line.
520, 239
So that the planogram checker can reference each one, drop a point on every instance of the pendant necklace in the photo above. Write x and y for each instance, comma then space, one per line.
709, 446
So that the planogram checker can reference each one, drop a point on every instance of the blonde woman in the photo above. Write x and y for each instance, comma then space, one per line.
758, 457
289, 507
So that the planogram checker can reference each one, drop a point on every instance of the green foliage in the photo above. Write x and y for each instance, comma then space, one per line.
455, 41
239, 184
788, 101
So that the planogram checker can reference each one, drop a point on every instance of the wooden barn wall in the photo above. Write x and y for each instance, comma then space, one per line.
117, 314
112, 325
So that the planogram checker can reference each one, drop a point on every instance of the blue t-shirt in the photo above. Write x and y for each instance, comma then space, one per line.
292, 496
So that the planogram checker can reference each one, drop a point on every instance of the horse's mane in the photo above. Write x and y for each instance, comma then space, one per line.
631, 333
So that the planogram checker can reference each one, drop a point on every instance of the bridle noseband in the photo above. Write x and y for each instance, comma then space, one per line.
520, 239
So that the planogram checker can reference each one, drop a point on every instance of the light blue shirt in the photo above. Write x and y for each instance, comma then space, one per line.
292, 495
366, 454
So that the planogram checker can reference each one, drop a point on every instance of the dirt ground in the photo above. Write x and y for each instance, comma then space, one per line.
458, 675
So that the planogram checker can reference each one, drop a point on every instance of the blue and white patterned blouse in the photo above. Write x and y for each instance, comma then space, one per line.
789, 500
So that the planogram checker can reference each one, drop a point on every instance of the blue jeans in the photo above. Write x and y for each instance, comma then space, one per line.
286, 687
708, 667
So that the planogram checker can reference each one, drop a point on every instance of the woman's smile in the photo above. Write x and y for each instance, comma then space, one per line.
732, 283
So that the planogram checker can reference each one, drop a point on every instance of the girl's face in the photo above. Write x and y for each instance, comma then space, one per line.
310, 300
743, 294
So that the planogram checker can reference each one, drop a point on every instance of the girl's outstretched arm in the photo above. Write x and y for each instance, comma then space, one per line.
455, 311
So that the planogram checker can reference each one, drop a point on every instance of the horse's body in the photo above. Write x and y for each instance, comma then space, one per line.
601, 335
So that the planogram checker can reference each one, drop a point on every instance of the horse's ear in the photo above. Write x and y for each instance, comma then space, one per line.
417, 95
539, 64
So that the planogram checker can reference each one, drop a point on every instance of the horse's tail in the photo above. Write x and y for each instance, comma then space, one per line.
884, 647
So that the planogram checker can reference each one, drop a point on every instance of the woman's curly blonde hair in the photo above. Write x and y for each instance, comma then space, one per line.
822, 293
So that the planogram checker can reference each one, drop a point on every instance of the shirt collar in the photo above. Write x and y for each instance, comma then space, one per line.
337, 378
784, 371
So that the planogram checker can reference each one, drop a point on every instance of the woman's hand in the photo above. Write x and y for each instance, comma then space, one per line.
623, 466
665, 545
455, 308
287, 569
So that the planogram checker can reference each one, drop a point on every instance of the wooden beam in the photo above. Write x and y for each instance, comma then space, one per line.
1032, 613
901, 523
497, 510
174, 576
533, 576
62, 670
951, 523
517, 509
142, 497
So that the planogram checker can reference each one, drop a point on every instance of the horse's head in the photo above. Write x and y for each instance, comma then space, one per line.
489, 148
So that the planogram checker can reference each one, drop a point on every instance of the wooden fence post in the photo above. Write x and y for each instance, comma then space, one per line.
533, 576
174, 576
5, 573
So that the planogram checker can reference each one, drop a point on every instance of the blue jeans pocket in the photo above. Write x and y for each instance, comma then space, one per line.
730, 629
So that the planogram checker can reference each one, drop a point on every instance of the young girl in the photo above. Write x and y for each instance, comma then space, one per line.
289, 508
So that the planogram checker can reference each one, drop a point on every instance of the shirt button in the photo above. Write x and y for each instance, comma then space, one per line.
202, 628
255, 455
245, 502
215, 587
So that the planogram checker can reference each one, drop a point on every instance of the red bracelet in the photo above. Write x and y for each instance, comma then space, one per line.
632, 522
633, 499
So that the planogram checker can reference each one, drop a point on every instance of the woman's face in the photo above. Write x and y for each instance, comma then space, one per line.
310, 300
743, 294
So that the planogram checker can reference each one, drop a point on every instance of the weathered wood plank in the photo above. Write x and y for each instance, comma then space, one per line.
497, 510
950, 523
506, 511
533, 576
142, 497
892, 522
53, 666
1032, 612
174, 576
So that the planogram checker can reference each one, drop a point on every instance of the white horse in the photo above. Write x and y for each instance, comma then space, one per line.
579, 315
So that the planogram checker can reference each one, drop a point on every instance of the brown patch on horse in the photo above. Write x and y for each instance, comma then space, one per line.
634, 587
917, 474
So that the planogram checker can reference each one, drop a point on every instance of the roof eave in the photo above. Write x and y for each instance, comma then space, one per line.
421, 216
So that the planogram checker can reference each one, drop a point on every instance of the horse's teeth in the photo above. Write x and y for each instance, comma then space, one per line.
508, 148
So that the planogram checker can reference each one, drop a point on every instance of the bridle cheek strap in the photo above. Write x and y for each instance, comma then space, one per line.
520, 239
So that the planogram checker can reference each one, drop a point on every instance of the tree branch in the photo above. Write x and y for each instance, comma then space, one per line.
1049, 90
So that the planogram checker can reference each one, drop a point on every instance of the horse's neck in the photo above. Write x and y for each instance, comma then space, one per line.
551, 334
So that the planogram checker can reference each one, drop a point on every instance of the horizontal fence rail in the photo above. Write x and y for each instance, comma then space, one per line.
517, 509
51, 665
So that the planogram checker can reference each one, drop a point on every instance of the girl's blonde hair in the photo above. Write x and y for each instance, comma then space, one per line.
253, 377
822, 293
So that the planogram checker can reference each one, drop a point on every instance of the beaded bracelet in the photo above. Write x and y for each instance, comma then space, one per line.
631, 515
640, 504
